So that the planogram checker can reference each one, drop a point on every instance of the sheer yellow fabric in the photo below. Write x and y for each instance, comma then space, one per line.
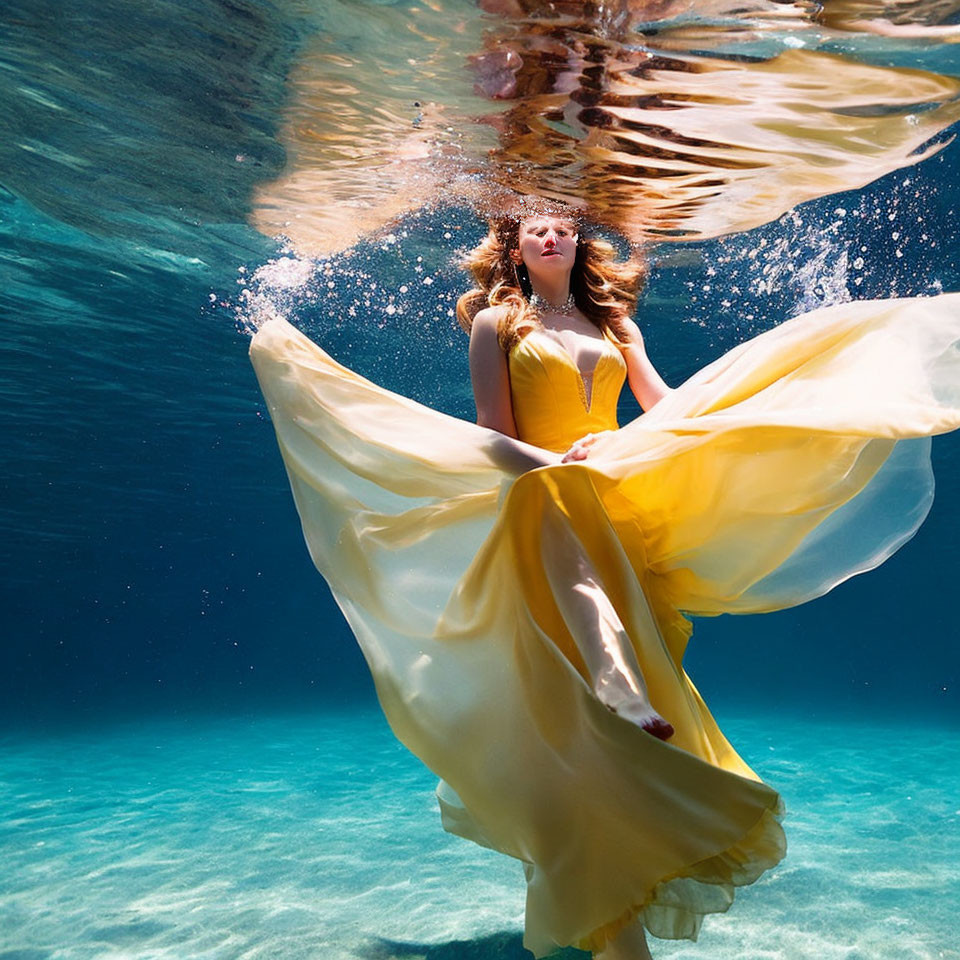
794, 461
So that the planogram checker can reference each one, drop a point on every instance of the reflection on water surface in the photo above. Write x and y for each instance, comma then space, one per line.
664, 120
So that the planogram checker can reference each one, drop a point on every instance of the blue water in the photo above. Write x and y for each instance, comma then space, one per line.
191, 762
305, 835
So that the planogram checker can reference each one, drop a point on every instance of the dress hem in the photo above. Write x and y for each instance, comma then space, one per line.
671, 920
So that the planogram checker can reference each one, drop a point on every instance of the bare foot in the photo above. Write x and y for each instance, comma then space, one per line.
644, 716
625, 694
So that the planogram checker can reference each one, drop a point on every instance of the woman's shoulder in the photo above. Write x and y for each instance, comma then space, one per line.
626, 330
486, 325
485, 332
489, 317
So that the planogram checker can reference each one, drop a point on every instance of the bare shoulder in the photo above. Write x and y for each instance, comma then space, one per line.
632, 331
488, 318
485, 327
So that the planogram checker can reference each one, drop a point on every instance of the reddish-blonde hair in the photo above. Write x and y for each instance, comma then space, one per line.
604, 289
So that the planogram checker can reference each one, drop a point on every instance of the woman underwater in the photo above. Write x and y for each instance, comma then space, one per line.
554, 400
520, 586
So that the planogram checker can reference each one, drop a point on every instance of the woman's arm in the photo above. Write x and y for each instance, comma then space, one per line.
491, 393
646, 384
489, 374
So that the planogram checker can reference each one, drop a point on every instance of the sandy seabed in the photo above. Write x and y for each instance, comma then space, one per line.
317, 836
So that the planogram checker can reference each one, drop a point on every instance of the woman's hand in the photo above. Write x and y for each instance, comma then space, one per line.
581, 449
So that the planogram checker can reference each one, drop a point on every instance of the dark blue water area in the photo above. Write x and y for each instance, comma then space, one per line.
132, 141
152, 559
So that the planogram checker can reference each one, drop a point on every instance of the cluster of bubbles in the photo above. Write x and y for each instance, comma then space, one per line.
876, 244
386, 307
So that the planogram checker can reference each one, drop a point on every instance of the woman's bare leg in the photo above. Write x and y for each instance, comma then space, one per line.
629, 944
601, 638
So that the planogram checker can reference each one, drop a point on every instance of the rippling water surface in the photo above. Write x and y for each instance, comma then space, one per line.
169, 172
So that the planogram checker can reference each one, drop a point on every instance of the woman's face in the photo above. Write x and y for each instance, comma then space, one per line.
547, 243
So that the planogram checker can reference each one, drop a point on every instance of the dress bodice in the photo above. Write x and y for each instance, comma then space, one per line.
552, 405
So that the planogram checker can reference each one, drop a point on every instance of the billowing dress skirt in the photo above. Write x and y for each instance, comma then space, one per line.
796, 460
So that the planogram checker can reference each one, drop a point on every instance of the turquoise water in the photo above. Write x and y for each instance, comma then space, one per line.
309, 835
191, 761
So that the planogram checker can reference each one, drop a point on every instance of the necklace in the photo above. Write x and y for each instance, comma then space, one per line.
542, 305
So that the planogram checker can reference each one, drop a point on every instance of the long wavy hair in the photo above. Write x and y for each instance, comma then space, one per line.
604, 289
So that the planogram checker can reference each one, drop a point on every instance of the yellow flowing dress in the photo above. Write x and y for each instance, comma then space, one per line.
791, 463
